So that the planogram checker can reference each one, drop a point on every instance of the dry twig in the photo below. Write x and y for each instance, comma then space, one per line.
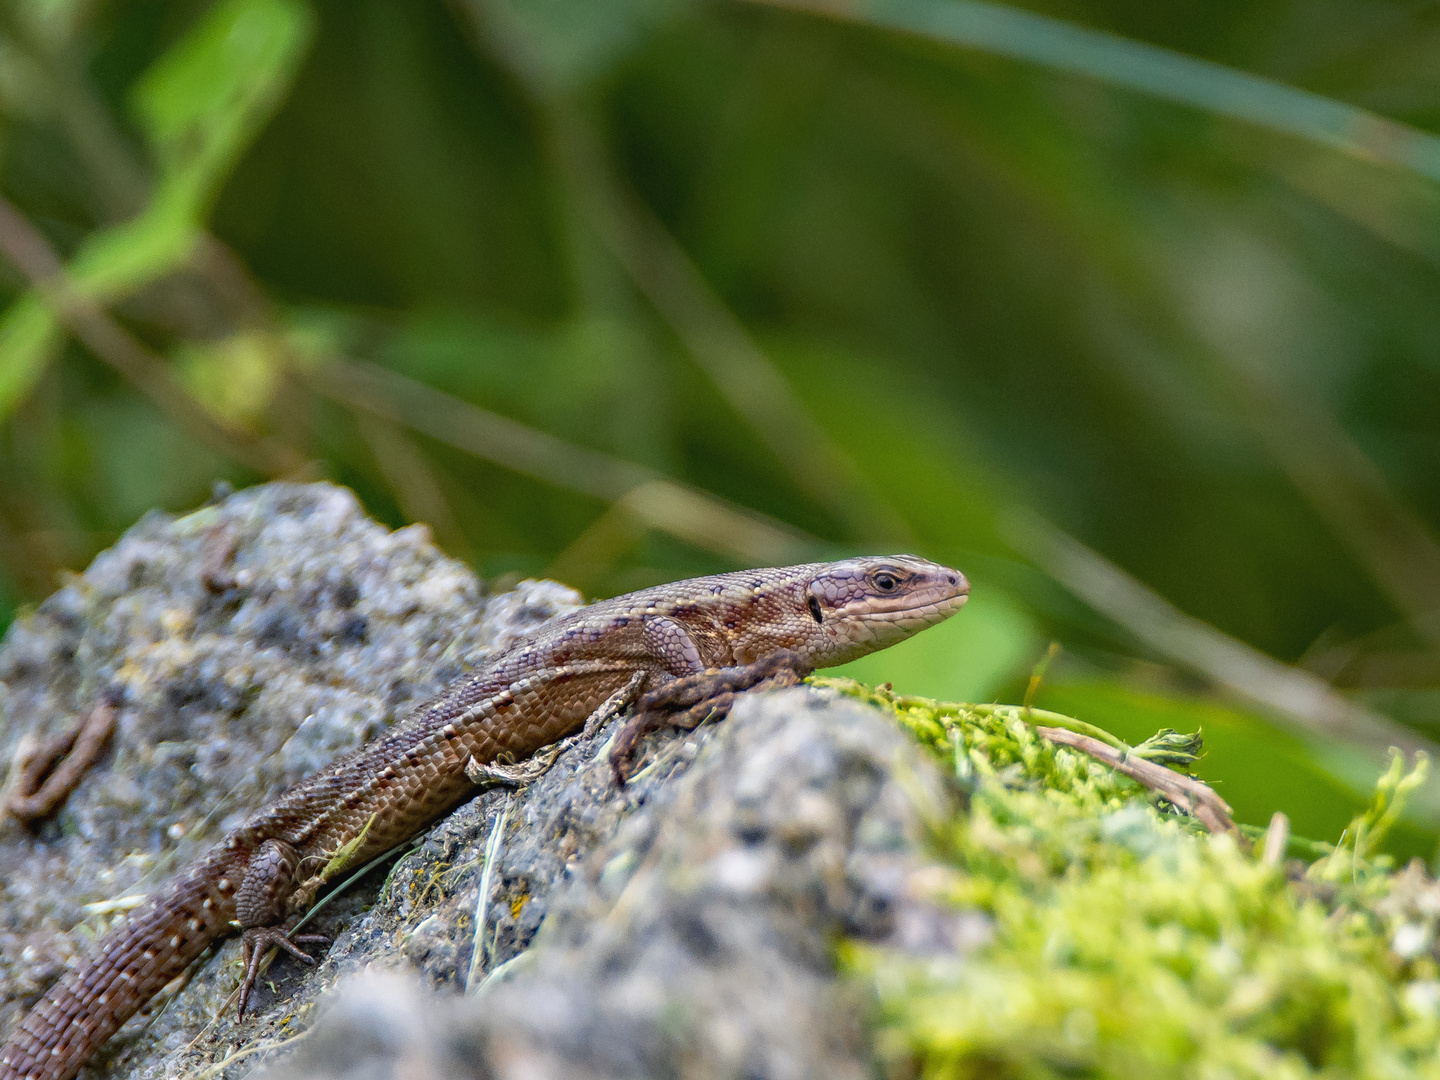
48, 770
1189, 794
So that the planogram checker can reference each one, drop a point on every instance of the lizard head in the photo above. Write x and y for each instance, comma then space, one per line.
861, 605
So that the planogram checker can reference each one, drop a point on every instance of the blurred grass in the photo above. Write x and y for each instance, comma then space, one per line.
1161, 73
637, 289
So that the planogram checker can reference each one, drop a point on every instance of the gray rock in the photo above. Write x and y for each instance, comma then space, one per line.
252, 641
698, 940
682, 926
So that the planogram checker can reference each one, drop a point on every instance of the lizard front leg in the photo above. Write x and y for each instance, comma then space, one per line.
265, 910
698, 693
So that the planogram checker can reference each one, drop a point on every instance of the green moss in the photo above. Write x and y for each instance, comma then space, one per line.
1125, 942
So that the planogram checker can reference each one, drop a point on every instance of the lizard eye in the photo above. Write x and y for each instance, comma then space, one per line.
885, 582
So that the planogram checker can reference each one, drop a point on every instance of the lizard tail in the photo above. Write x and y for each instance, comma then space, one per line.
131, 965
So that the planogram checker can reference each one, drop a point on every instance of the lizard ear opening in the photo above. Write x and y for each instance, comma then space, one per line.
815, 612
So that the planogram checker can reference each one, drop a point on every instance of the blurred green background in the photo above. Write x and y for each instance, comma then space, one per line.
1128, 310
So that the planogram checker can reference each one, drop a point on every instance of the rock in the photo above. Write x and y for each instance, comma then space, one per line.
250, 642
697, 941
683, 925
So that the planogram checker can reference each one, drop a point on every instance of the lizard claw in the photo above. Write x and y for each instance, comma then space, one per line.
256, 941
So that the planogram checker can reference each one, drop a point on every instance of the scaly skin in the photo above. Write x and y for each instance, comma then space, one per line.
266, 873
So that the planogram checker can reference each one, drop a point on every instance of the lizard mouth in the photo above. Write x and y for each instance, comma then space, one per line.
930, 604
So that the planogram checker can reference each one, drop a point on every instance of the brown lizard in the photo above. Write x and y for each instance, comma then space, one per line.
696, 643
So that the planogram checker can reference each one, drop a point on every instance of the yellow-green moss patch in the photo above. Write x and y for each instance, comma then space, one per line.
1125, 942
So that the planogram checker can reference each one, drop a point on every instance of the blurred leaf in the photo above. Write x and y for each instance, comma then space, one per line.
568, 44
111, 264
200, 104
967, 658
234, 378
27, 342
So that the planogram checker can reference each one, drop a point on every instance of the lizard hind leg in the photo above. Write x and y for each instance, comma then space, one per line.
263, 909
256, 941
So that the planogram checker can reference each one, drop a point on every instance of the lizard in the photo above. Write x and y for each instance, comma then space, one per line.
679, 652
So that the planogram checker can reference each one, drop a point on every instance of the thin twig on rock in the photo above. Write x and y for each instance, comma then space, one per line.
1189, 794
47, 771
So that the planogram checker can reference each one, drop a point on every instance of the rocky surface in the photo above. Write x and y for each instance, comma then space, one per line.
699, 940
249, 643
683, 926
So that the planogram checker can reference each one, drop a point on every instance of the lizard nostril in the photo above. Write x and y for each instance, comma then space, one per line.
954, 580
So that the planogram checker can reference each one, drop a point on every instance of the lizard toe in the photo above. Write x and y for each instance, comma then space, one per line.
256, 942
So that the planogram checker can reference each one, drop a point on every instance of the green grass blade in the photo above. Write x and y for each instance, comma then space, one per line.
1148, 69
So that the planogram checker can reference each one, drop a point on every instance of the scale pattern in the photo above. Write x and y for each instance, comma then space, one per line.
537, 693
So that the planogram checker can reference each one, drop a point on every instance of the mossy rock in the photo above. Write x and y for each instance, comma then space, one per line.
1124, 941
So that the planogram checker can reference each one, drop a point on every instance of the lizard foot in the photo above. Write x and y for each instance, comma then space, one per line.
256, 941
517, 775
539, 763
689, 701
